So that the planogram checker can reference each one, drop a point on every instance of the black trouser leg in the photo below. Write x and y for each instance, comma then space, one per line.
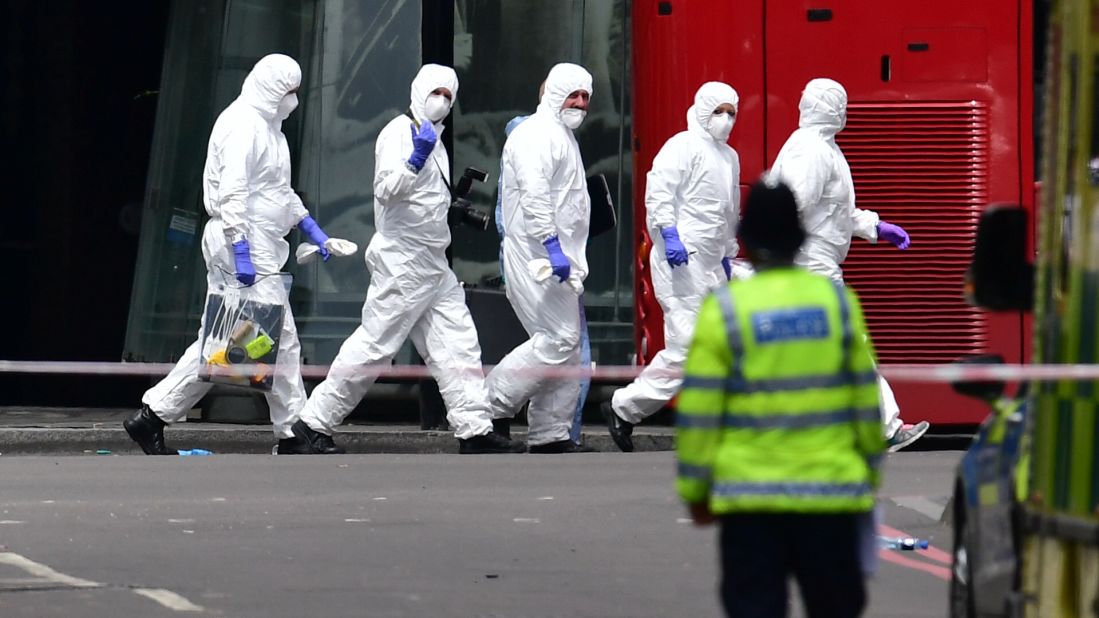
826, 564
754, 565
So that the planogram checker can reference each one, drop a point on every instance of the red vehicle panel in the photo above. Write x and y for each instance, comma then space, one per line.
939, 125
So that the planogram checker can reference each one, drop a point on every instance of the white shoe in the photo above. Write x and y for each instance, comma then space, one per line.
906, 435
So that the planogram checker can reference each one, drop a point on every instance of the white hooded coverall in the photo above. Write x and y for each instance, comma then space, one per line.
544, 194
694, 185
813, 166
246, 191
413, 292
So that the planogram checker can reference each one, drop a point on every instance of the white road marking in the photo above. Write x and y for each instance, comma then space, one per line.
6, 522
44, 572
45, 575
168, 599
527, 520
546, 498
921, 505
356, 521
181, 521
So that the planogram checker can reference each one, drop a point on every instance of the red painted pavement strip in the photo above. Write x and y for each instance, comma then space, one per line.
931, 552
890, 555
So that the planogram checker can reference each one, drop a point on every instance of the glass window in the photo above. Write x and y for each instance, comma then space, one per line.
501, 61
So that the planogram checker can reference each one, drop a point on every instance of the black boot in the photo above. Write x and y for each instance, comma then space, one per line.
620, 430
146, 428
560, 447
489, 443
502, 426
315, 442
293, 446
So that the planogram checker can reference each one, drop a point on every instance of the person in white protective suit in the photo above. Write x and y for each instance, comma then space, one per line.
692, 196
252, 207
413, 293
813, 166
546, 213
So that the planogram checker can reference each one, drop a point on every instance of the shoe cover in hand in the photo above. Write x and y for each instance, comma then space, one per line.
557, 259
242, 258
341, 247
541, 270
674, 250
423, 142
894, 234
338, 247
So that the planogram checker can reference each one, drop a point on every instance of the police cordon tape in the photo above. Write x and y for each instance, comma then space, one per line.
894, 373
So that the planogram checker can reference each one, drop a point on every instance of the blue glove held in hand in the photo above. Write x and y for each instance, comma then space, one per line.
558, 261
242, 256
727, 265
894, 234
316, 235
673, 247
423, 142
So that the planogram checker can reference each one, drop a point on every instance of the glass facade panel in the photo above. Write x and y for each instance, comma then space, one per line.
358, 78
501, 58
358, 59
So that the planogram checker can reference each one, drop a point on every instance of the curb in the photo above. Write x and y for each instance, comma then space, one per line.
260, 441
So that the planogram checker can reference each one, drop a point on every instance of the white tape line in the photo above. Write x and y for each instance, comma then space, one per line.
168, 599
44, 572
894, 373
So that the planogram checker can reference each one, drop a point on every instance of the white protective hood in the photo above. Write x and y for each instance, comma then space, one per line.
270, 80
430, 77
709, 96
563, 79
823, 106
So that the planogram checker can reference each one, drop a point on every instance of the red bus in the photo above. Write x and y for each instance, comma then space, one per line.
940, 124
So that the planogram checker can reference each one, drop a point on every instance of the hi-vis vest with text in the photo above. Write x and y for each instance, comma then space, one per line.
779, 410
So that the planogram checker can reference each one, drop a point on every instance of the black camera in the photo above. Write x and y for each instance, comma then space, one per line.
461, 209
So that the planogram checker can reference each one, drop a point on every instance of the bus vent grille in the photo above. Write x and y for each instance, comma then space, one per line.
925, 167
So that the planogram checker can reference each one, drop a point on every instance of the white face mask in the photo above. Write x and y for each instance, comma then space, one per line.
287, 105
573, 117
721, 125
436, 107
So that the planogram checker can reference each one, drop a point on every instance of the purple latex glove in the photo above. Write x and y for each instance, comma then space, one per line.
894, 234
558, 260
423, 142
316, 235
242, 256
727, 265
674, 251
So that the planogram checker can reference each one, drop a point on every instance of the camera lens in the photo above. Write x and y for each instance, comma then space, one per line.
475, 218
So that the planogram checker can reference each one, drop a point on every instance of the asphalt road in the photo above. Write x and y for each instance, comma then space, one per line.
597, 535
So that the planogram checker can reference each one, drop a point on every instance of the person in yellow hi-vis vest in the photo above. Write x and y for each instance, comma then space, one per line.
778, 425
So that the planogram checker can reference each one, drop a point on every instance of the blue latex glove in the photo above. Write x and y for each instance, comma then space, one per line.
316, 235
894, 234
242, 256
727, 265
558, 261
673, 247
423, 142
